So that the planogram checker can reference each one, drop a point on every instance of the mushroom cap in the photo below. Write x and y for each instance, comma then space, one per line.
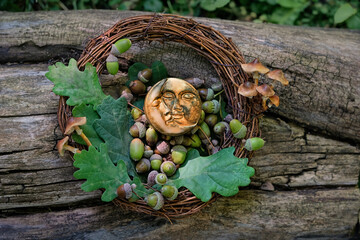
265, 90
255, 66
247, 89
60, 145
275, 100
278, 75
73, 122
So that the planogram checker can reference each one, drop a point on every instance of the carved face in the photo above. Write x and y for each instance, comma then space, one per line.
173, 106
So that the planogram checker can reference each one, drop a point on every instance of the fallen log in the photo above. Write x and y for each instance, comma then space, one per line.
309, 177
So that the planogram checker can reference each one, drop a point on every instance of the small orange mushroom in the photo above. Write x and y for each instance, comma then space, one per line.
266, 91
275, 100
73, 123
247, 89
278, 75
255, 67
62, 146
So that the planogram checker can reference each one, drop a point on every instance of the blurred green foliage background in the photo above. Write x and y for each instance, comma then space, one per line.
320, 13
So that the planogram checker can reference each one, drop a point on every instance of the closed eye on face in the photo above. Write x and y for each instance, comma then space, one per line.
188, 96
168, 96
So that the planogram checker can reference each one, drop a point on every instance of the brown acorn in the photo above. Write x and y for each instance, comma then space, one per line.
145, 75
124, 191
211, 120
137, 87
206, 94
143, 166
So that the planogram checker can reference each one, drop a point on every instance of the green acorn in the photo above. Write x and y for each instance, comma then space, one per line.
221, 127
238, 130
195, 141
170, 192
168, 168
205, 129
178, 154
137, 130
206, 94
211, 120
254, 143
112, 64
151, 136
135, 113
212, 106
137, 149
155, 200
143, 166
156, 161
202, 117
161, 178
120, 47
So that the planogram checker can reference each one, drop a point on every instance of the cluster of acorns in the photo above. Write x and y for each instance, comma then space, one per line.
159, 156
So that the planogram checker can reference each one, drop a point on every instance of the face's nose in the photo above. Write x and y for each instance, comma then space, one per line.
177, 106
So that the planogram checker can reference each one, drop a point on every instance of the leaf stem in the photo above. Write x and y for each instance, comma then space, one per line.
135, 107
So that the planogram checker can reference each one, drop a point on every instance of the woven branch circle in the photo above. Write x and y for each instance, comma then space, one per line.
220, 51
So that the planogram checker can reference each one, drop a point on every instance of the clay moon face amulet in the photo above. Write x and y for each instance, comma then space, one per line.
173, 106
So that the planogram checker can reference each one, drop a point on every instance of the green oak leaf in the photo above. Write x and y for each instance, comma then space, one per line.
79, 86
99, 172
91, 115
159, 72
113, 127
222, 173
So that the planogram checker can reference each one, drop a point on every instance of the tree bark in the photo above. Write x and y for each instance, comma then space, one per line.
314, 175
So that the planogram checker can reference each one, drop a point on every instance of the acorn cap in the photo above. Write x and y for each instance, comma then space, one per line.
111, 58
120, 46
151, 178
278, 75
247, 89
60, 145
275, 100
265, 90
254, 66
73, 122
124, 191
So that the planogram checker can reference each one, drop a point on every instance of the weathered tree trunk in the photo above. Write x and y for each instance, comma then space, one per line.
314, 175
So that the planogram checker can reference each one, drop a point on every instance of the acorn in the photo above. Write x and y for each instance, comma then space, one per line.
148, 152
217, 86
221, 128
206, 94
145, 75
195, 141
215, 150
186, 141
163, 147
151, 178
165, 137
238, 130
196, 82
168, 168
205, 129
202, 117
179, 139
124, 191
156, 161
137, 130
161, 179
151, 136
254, 143
137, 87
120, 46
124, 89
112, 64
169, 192
211, 120
178, 154
128, 96
136, 149
142, 119
228, 118
155, 200
212, 106
136, 113
215, 142
143, 166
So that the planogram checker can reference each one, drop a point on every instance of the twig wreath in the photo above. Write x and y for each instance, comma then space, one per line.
229, 64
